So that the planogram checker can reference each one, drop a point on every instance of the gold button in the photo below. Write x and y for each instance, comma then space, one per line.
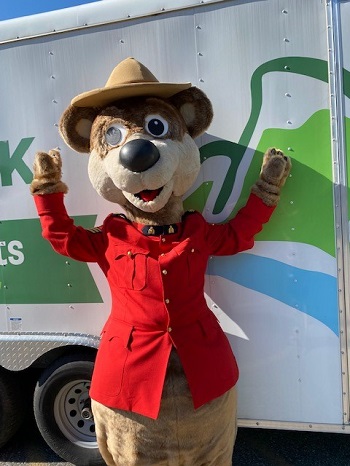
163, 240
129, 253
164, 272
162, 254
170, 329
167, 301
192, 250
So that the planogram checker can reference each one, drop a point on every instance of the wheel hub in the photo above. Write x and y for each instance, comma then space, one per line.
70, 411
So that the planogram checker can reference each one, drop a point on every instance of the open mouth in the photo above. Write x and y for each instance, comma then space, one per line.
151, 200
148, 194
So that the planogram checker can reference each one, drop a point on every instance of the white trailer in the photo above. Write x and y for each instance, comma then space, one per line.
278, 74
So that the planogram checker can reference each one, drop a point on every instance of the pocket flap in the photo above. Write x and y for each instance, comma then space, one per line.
118, 329
129, 250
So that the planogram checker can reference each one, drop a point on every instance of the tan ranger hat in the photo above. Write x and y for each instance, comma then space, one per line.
128, 79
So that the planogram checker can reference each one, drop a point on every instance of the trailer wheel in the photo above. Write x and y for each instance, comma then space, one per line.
62, 411
11, 409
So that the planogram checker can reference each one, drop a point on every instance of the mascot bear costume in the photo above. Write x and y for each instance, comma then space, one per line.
163, 388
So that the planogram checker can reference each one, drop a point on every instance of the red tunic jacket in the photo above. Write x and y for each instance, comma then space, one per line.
157, 287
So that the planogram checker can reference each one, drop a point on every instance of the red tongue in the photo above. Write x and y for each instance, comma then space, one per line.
149, 195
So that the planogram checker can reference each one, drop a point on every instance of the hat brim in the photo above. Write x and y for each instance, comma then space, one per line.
106, 95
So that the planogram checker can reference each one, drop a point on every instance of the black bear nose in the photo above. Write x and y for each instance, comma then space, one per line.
138, 155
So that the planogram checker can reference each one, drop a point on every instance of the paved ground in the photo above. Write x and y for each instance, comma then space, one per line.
28, 447
254, 447
286, 448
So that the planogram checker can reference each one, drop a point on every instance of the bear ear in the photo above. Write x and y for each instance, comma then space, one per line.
75, 127
195, 108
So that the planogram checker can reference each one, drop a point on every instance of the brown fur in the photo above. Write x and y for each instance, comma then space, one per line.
131, 113
69, 127
195, 110
47, 174
192, 104
274, 172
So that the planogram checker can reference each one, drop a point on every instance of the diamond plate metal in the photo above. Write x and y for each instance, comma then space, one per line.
19, 350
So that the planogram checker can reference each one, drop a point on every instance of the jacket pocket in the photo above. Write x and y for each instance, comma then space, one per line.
112, 357
131, 267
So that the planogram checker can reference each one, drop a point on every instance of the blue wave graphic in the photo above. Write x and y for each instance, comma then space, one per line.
313, 293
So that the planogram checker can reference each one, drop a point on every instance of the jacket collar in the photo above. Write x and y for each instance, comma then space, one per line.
158, 230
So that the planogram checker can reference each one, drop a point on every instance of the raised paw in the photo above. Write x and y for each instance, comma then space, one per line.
276, 167
47, 165
47, 173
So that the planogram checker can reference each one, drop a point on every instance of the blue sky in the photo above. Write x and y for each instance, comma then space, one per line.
15, 8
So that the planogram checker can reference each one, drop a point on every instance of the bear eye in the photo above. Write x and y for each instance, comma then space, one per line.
115, 134
156, 125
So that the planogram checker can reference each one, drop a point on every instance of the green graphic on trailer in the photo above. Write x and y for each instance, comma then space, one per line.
311, 159
10, 163
33, 273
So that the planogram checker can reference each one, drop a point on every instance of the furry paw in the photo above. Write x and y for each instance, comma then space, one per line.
47, 174
274, 172
276, 167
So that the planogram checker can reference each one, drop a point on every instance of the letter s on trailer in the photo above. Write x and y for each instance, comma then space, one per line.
276, 77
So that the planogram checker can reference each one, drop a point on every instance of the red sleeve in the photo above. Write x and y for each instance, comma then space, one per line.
66, 238
238, 234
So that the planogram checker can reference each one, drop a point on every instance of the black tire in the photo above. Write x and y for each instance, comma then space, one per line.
59, 396
11, 406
